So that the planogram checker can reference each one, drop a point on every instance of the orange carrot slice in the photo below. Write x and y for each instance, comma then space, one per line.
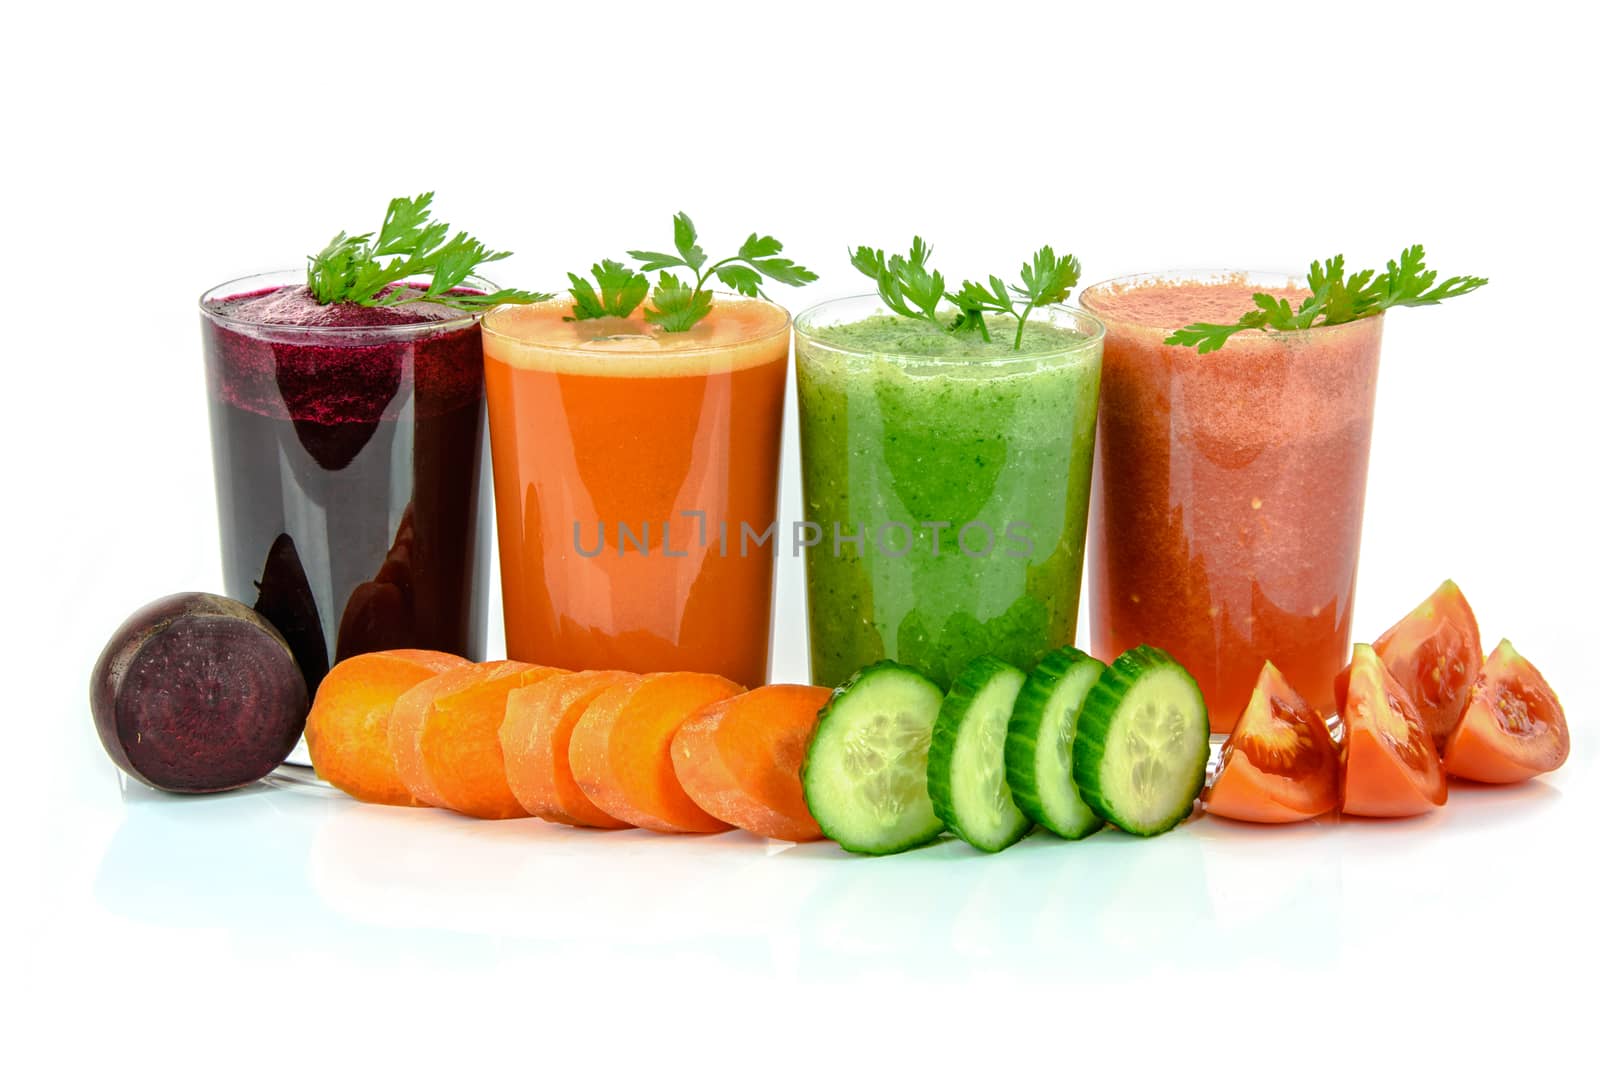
461, 745
621, 749
411, 713
535, 736
348, 729
740, 759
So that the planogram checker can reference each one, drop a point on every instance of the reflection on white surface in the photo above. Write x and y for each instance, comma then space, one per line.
276, 866
299, 914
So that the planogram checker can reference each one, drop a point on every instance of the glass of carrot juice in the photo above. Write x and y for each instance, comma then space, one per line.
636, 485
1226, 514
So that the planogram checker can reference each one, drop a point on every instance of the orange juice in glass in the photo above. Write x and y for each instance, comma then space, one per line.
636, 485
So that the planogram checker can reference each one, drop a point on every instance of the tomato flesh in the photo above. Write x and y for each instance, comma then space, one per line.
1513, 728
1435, 654
1390, 765
1280, 764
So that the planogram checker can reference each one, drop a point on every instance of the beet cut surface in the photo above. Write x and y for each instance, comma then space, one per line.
197, 693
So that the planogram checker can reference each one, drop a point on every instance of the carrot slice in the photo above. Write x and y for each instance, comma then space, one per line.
621, 749
534, 737
411, 713
740, 759
347, 731
461, 745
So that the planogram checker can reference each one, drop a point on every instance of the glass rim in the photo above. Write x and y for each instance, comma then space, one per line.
1214, 276
1081, 317
757, 338
290, 275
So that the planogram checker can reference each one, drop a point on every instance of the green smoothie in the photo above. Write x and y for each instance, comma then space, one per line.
946, 486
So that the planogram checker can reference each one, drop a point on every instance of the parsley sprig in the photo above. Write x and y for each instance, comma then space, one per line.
675, 304
910, 288
1335, 298
621, 290
904, 282
368, 269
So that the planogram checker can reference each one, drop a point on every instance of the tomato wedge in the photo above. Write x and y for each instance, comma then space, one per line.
1390, 766
1435, 653
1280, 764
1513, 728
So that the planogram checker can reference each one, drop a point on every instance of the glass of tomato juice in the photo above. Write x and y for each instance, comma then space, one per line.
1226, 515
636, 485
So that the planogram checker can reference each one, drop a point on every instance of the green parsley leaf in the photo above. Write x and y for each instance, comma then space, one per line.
756, 247
409, 247
499, 296
621, 290
1048, 279
910, 289
655, 261
1335, 299
740, 279
685, 238
973, 303
1409, 284
406, 227
1002, 295
784, 271
676, 306
762, 254
1209, 337
874, 263
904, 282
922, 287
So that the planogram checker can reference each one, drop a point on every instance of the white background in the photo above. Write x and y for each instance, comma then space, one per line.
152, 153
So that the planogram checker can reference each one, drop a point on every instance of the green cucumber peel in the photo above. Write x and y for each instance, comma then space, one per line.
966, 757
865, 772
1139, 759
1040, 740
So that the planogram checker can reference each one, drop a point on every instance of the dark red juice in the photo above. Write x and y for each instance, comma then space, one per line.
348, 448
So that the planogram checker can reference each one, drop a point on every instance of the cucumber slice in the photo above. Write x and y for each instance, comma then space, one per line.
1143, 738
967, 757
1039, 741
865, 773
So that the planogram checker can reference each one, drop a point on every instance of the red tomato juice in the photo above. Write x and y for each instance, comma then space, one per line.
1225, 523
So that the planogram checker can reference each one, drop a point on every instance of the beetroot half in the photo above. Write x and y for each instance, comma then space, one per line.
196, 693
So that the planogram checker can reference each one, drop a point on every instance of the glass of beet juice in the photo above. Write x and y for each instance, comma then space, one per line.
1226, 515
348, 444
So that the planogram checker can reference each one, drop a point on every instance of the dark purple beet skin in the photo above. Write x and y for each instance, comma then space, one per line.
197, 693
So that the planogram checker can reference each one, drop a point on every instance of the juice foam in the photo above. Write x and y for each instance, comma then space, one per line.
736, 333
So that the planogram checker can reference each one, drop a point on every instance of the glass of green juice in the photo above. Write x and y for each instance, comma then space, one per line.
946, 482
